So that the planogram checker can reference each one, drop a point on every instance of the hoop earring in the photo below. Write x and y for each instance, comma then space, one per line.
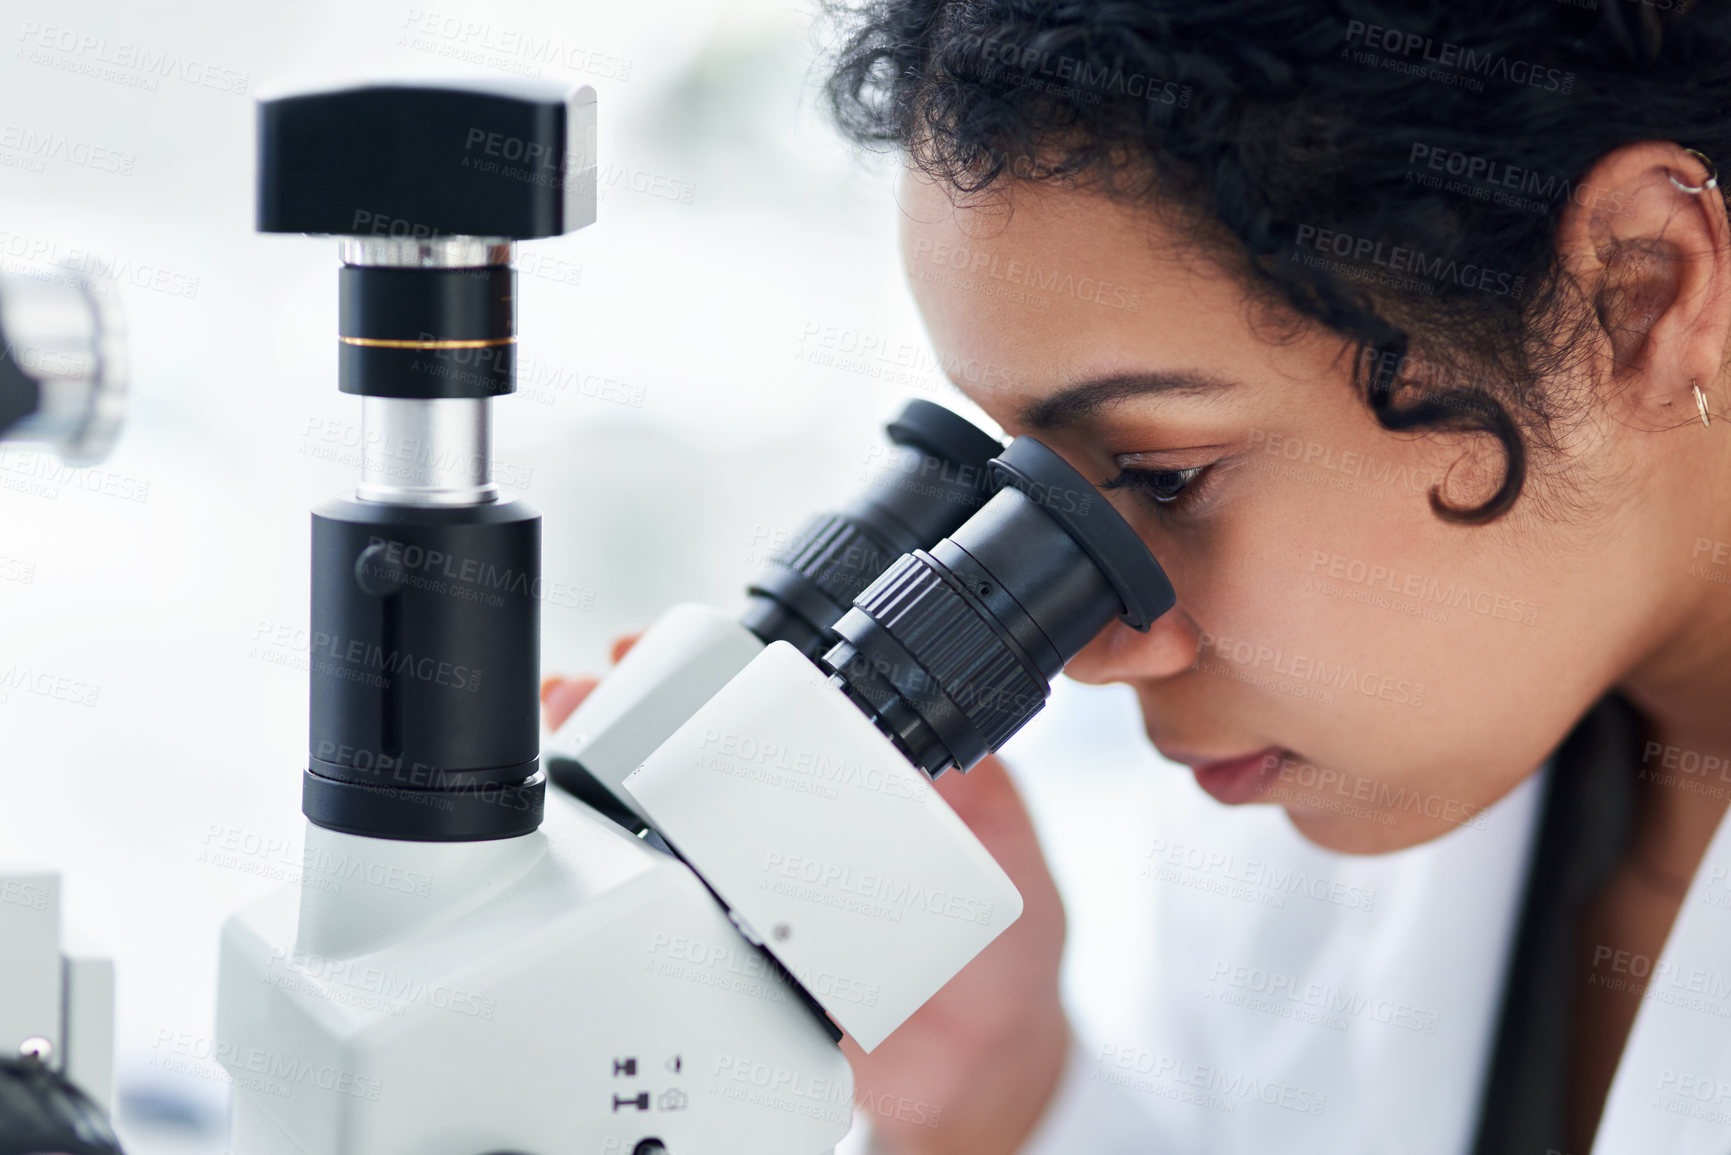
1712, 175
1712, 181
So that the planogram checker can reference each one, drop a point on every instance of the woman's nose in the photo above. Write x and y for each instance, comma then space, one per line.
1120, 654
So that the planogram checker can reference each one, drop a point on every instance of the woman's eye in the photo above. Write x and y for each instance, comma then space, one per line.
1165, 486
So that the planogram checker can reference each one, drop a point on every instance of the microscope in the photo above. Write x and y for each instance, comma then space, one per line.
62, 387
468, 969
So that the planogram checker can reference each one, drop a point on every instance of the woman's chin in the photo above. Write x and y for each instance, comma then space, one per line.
1363, 834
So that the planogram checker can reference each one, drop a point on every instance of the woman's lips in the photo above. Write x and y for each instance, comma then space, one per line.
1238, 780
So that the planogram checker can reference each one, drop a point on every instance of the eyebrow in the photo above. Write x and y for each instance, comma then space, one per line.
1075, 402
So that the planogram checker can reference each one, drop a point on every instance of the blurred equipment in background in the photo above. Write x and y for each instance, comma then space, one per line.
62, 372
56, 1028
61, 385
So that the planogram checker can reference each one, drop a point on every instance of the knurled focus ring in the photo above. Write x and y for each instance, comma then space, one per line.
961, 658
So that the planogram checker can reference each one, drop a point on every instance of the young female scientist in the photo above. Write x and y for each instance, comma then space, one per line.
1348, 305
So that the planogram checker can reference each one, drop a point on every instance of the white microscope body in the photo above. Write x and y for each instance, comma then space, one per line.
680, 662
576, 990
567, 991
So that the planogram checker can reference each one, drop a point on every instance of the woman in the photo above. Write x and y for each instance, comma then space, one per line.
1358, 311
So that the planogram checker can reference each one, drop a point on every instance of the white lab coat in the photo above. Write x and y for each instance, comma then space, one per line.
1276, 1012
1354, 1018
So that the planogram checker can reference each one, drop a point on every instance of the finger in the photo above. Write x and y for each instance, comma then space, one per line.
622, 645
987, 800
547, 685
985, 794
560, 696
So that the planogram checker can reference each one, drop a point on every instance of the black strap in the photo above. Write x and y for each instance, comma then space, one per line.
1586, 820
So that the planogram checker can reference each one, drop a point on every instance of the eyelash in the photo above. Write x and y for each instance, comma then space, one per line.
1155, 485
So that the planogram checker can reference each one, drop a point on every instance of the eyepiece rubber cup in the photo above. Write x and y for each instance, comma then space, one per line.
1100, 530
937, 432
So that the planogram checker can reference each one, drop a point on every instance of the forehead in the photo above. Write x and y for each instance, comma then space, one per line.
1042, 287
1028, 253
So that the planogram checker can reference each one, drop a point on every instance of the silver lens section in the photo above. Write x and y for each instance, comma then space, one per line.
427, 253
417, 451
426, 451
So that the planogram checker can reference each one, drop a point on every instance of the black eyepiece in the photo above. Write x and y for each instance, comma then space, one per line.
927, 486
1048, 481
952, 651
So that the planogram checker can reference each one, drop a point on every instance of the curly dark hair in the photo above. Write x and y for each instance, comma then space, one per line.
1324, 150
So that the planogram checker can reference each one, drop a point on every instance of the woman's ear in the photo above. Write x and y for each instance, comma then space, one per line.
1654, 261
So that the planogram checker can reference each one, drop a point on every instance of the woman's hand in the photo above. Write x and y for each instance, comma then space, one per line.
561, 696
973, 1070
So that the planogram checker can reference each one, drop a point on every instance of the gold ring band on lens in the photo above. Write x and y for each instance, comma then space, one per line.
393, 343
